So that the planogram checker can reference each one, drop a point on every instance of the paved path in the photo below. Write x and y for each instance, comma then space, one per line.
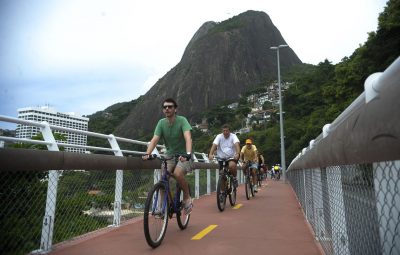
270, 223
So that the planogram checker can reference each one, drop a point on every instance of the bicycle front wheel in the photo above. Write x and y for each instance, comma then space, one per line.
181, 218
252, 187
248, 187
156, 211
221, 193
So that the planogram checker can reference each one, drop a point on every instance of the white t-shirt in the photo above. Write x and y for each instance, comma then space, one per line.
226, 146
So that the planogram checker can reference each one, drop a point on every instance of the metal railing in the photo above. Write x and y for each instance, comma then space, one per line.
48, 197
348, 179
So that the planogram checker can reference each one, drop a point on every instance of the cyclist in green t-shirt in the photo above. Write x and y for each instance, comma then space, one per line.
174, 130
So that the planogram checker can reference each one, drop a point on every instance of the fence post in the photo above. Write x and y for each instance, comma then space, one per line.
305, 193
206, 160
310, 196
46, 240
241, 174
196, 180
119, 175
156, 172
320, 231
216, 177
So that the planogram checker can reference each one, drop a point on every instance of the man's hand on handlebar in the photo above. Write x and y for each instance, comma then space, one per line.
149, 156
185, 157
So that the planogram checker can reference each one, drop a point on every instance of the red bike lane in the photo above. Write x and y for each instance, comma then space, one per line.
270, 223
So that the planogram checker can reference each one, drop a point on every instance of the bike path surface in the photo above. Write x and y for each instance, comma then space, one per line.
270, 223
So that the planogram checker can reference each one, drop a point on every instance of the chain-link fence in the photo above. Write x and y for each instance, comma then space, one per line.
83, 202
353, 209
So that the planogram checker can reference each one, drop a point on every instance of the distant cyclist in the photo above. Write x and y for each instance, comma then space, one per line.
277, 171
261, 161
249, 155
272, 172
227, 146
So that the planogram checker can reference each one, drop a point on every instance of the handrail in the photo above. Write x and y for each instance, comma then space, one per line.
367, 131
21, 121
39, 160
23, 140
30, 160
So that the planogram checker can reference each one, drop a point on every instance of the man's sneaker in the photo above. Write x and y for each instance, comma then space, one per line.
255, 188
235, 182
188, 206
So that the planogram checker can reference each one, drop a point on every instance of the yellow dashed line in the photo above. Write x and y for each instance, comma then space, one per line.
204, 232
237, 206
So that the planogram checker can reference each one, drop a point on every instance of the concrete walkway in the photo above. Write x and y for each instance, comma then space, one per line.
270, 223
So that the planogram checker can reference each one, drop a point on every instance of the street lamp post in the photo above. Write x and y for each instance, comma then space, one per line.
283, 161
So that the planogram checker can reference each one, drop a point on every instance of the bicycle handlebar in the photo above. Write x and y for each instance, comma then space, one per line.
224, 159
162, 157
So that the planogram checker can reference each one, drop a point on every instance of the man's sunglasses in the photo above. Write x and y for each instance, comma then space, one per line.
168, 106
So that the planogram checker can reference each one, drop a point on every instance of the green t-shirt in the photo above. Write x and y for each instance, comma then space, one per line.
172, 135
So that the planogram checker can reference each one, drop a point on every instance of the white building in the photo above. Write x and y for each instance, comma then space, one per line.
50, 115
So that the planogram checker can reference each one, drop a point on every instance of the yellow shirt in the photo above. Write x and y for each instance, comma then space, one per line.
250, 154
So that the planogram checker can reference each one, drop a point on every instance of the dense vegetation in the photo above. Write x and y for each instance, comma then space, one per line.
107, 120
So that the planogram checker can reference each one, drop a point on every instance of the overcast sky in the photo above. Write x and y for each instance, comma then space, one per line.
85, 55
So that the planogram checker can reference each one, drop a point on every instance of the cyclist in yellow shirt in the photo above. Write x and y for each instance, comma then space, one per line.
248, 154
277, 170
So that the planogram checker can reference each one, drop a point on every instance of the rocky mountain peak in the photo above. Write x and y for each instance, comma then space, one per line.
222, 61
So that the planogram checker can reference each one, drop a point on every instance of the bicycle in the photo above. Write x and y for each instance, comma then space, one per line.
249, 187
225, 185
161, 205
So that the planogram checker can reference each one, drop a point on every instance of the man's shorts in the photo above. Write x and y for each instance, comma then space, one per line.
253, 165
221, 163
185, 166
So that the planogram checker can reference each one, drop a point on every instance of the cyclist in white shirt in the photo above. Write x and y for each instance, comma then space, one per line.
227, 146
